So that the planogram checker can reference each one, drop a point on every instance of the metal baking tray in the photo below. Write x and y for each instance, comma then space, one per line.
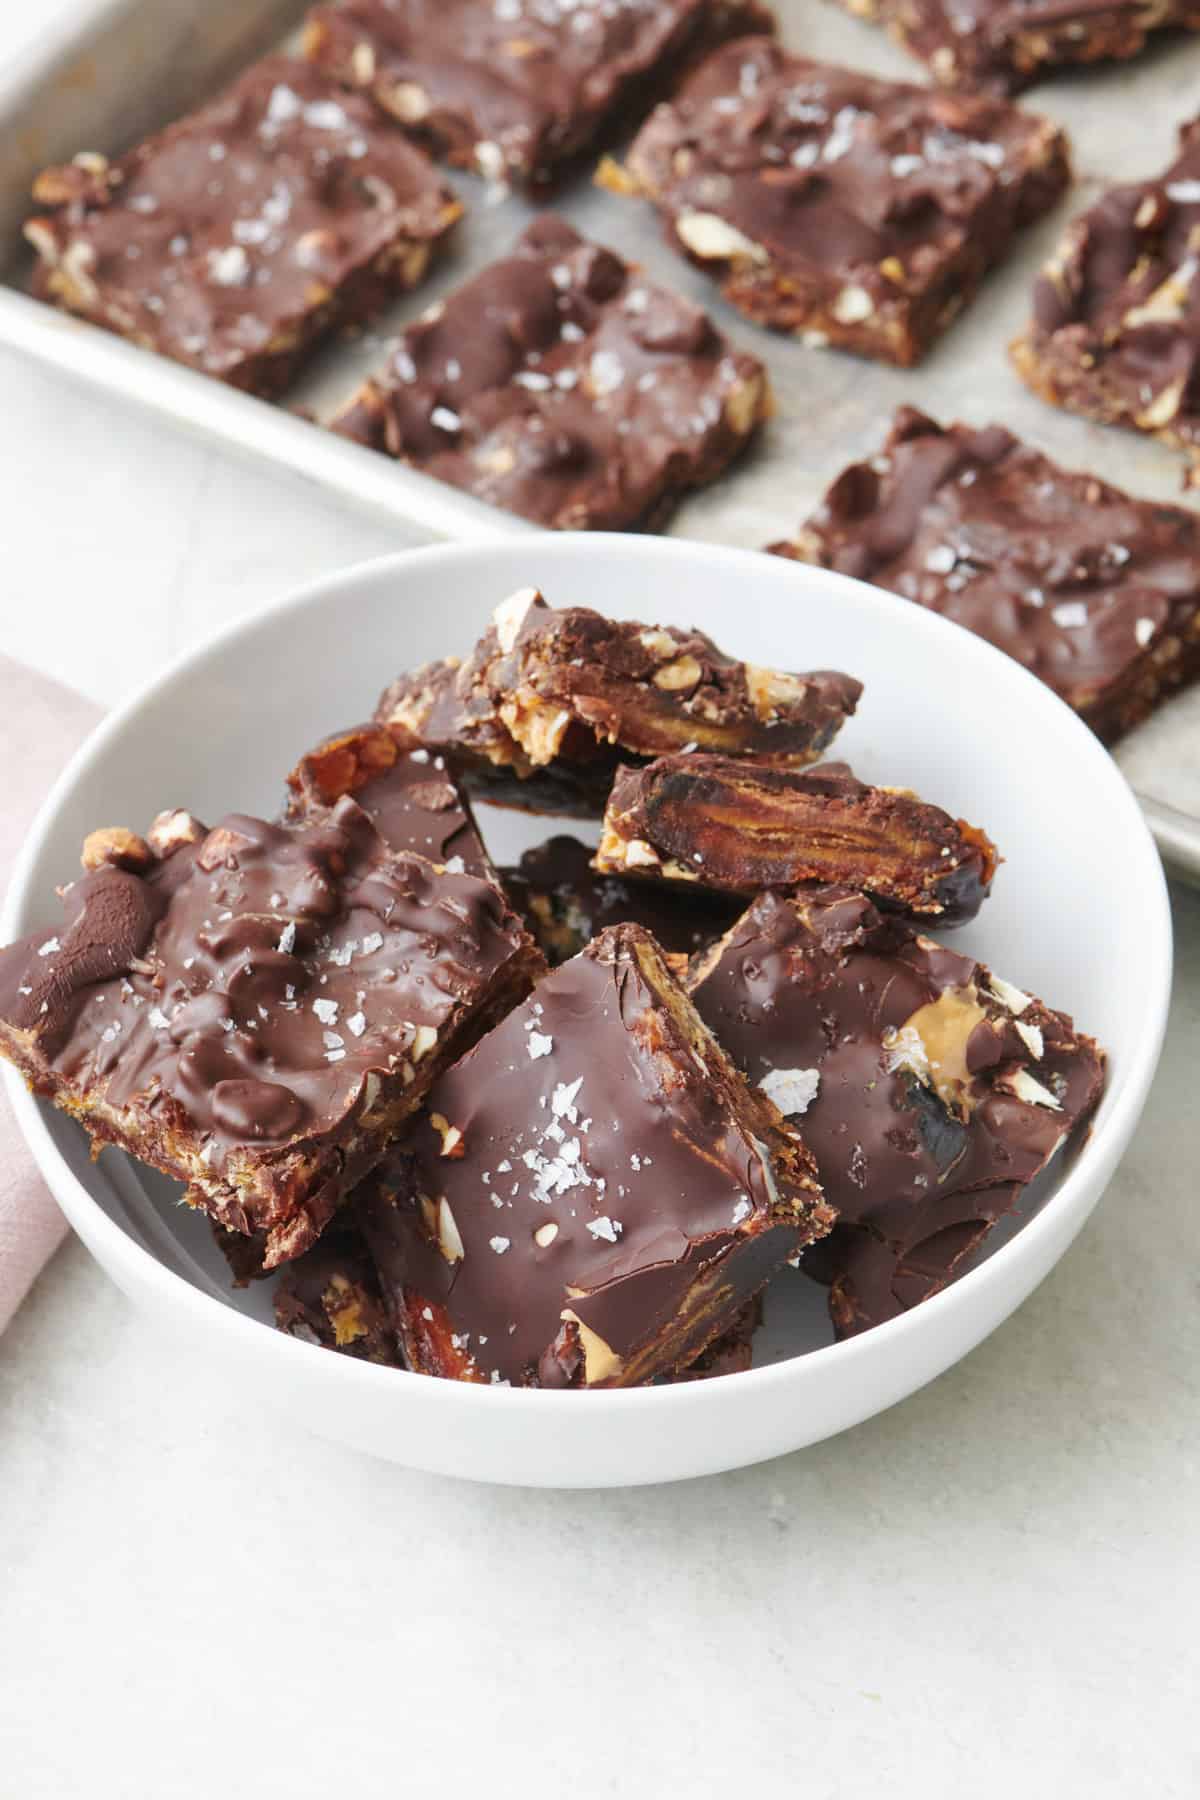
111, 70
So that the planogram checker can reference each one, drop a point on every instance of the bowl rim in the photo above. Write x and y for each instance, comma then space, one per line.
1108, 1138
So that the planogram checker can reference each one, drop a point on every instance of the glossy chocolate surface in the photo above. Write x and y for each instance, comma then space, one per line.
238, 236
1115, 332
518, 88
911, 1070
1095, 592
562, 385
859, 212
592, 1194
409, 795
252, 1014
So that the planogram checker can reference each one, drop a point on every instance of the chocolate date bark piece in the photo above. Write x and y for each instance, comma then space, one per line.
872, 1281
854, 212
917, 1073
1095, 592
1115, 331
565, 903
1001, 46
408, 794
550, 703
560, 384
593, 1194
239, 237
516, 91
256, 1009
739, 827
330, 1297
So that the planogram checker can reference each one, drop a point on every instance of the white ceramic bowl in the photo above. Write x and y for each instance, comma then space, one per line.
1078, 915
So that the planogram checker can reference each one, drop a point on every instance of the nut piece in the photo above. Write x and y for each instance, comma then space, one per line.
116, 847
424, 1039
509, 616
852, 305
406, 101
451, 1136
685, 672
713, 239
449, 1239
172, 830
545, 1234
600, 1360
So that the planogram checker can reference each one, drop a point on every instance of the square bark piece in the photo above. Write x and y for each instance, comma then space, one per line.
855, 212
408, 794
256, 1009
517, 89
736, 827
561, 385
593, 1195
239, 237
1115, 332
1095, 592
550, 703
916, 1075
1003, 45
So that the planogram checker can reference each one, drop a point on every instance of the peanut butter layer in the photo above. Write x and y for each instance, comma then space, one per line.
516, 90
562, 385
408, 794
854, 212
550, 703
914, 1072
591, 1196
1115, 332
565, 903
1002, 46
256, 1009
717, 822
1095, 592
238, 238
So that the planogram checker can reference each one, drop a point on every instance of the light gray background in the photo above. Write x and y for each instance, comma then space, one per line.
993, 1588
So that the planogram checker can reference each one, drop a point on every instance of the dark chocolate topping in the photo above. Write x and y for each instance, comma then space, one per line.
514, 88
849, 195
1080, 583
223, 238
561, 384
739, 827
409, 795
565, 903
911, 1070
582, 1159
1116, 320
258, 989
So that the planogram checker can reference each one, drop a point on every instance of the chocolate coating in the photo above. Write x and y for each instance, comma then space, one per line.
330, 1296
1003, 45
560, 384
592, 1195
857, 212
550, 703
516, 90
1116, 311
871, 1281
408, 794
1095, 592
911, 1070
256, 1014
738, 827
239, 237
565, 904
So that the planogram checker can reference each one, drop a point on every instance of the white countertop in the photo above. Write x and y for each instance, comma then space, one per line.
991, 1588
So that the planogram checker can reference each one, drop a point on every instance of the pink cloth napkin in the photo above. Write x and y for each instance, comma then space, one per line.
41, 723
